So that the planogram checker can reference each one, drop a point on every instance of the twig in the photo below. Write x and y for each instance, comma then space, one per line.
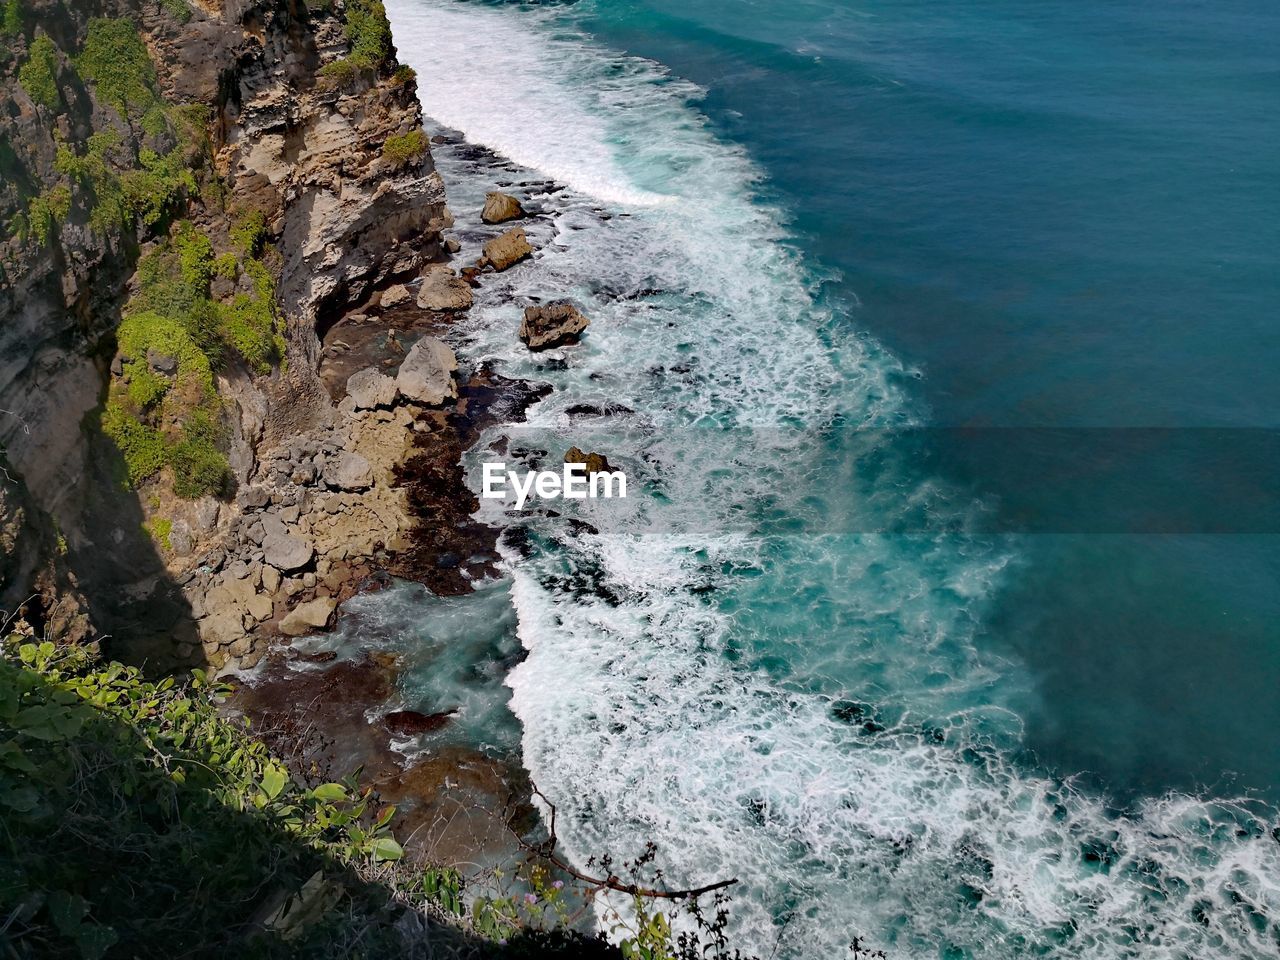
546, 850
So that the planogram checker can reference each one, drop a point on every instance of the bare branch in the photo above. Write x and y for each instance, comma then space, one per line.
546, 850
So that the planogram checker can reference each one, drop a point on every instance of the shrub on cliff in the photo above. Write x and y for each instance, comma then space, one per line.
39, 74
116, 61
369, 31
401, 148
369, 34
11, 23
167, 417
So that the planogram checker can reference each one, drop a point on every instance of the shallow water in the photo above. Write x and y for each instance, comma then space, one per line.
877, 216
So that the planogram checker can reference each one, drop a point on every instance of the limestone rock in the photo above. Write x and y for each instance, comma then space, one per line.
551, 325
442, 289
222, 628
180, 541
426, 375
350, 472
160, 362
270, 579
259, 607
370, 388
395, 295
308, 617
501, 207
507, 250
286, 552
207, 514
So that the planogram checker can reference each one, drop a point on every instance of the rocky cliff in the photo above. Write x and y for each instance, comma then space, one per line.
191, 194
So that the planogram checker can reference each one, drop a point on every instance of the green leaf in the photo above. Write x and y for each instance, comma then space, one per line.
66, 910
94, 940
384, 848
21, 800
273, 781
330, 792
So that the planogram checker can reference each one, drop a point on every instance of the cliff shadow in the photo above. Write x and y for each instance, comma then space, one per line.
134, 840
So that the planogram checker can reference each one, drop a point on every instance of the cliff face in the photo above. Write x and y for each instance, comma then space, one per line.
285, 142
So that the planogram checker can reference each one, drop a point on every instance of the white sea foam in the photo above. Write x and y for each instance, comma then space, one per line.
811, 714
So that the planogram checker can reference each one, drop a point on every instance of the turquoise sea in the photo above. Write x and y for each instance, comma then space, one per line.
882, 632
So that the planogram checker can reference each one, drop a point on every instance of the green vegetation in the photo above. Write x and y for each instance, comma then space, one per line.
137, 819
145, 406
121, 193
140, 821
117, 62
249, 233
44, 214
177, 9
369, 33
403, 147
249, 323
163, 410
39, 75
160, 528
403, 74
11, 23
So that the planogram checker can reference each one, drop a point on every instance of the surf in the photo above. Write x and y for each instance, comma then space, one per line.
807, 710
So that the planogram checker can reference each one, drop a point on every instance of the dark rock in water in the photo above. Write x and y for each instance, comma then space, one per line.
597, 410
320, 656
501, 207
407, 723
552, 325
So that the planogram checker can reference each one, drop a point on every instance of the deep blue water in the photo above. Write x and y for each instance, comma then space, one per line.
801, 217
1064, 214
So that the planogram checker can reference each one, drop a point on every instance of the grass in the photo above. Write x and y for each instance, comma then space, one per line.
39, 74
402, 148
160, 528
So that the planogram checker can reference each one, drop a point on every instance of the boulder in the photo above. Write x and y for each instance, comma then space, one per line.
442, 289
180, 540
259, 607
395, 295
594, 462
506, 250
222, 628
308, 617
285, 552
162, 362
501, 207
370, 388
551, 325
426, 375
207, 513
270, 579
350, 471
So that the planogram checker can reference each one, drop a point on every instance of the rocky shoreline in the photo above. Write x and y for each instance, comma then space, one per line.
343, 454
